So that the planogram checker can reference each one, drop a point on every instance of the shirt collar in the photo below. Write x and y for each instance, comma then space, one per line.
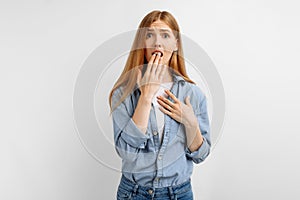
177, 78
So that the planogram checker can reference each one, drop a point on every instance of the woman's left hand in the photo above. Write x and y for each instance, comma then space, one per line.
179, 111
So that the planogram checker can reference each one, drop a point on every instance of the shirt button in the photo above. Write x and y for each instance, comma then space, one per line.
154, 132
150, 191
157, 179
159, 157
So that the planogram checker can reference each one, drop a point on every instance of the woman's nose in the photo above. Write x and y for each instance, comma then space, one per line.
157, 42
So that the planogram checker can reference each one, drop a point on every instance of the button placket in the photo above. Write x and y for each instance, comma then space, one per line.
159, 164
153, 124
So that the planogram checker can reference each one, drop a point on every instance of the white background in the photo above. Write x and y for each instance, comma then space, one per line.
254, 45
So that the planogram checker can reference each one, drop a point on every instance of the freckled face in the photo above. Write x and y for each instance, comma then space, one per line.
159, 37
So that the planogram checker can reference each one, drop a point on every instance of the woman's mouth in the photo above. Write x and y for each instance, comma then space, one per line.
161, 53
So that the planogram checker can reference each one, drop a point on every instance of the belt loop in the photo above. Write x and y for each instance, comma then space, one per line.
153, 193
135, 189
171, 193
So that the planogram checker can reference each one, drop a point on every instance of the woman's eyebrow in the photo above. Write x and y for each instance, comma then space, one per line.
161, 30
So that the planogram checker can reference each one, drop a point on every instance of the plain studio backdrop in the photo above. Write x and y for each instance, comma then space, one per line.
253, 44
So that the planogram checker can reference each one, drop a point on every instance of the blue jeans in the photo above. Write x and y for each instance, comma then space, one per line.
133, 191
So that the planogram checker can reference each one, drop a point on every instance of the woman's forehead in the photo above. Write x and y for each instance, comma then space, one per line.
160, 25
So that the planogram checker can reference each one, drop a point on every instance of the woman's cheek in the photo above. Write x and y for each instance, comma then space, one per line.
167, 58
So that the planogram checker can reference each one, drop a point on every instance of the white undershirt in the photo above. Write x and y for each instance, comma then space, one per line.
160, 115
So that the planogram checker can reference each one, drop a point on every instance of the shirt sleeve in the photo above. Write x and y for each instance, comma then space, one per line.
203, 151
128, 137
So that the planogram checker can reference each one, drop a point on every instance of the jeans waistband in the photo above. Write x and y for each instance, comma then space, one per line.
169, 191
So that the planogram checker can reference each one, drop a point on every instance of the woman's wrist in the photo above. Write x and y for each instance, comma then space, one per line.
192, 124
194, 146
146, 98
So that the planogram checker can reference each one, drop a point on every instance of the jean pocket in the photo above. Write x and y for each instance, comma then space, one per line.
187, 195
123, 194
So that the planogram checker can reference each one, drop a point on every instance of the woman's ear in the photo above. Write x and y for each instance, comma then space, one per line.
176, 45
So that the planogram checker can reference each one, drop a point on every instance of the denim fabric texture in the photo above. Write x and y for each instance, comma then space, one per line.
145, 161
130, 190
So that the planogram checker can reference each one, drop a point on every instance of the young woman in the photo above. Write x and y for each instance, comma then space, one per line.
160, 119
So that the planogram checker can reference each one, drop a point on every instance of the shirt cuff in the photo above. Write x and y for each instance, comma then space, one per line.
133, 135
200, 154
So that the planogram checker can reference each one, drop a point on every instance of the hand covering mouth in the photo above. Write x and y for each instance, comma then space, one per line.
161, 53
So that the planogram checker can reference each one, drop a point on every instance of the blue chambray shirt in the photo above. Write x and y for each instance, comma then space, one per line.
144, 160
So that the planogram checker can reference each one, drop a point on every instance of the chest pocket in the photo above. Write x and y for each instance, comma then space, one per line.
179, 131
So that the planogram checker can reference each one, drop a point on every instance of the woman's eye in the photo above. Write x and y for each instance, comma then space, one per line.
166, 35
149, 35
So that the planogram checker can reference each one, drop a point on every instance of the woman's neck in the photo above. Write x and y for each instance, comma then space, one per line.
167, 77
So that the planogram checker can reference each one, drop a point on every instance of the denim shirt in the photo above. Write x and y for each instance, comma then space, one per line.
144, 160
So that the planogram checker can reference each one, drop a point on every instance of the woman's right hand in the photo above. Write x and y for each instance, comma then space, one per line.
153, 76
